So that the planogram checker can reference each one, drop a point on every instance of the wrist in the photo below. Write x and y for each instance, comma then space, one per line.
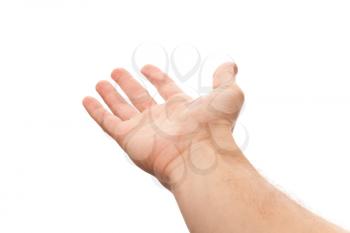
204, 161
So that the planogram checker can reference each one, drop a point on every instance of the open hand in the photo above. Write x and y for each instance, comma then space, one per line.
160, 137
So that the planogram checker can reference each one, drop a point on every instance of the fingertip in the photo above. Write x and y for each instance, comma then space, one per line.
87, 100
230, 67
235, 68
153, 73
225, 74
101, 84
117, 73
148, 68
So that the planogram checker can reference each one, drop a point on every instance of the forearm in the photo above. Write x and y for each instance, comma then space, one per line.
187, 144
233, 197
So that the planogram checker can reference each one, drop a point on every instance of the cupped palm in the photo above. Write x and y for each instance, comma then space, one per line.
156, 136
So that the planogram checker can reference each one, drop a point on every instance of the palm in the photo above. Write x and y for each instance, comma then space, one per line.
153, 134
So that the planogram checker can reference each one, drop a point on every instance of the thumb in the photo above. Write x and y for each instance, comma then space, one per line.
225, 75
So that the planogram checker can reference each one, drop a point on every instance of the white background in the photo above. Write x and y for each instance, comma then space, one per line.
60, 173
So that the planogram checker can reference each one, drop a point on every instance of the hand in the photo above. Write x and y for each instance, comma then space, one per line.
161, 137
184, 133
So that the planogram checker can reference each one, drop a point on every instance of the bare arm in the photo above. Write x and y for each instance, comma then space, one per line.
235, 198
187, 144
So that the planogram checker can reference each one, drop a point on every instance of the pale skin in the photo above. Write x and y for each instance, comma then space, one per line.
188, 145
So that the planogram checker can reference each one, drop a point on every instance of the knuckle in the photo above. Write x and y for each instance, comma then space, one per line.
238, 93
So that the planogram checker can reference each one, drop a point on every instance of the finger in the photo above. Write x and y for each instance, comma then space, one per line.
138, 95
165, 85
225, 75
115, 102
105, 119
